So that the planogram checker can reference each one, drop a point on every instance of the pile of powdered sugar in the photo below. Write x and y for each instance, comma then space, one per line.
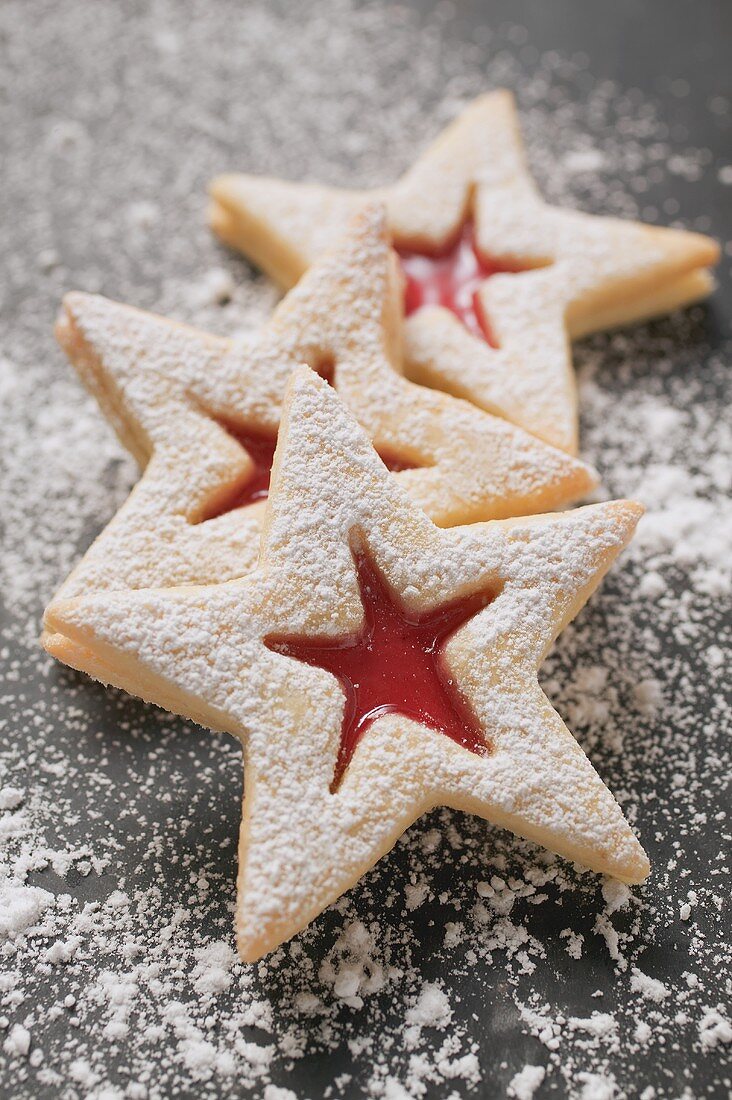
467, 962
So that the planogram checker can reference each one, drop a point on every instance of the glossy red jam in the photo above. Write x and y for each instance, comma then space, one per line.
260, 447
393, 665
451, 279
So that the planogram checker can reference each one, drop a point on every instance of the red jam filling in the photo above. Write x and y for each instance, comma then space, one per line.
451, 279
260, 446
393, 665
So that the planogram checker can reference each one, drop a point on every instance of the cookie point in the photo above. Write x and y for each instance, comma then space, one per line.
252, 946
54, 617
372, 216
304, 377
636, 867
632, 510
688, 248
624, 513
73, 300
73, 306
70, 306
503, 96
248, 952
306, 385
220, 187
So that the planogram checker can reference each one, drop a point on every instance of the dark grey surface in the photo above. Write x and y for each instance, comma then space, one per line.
646, 46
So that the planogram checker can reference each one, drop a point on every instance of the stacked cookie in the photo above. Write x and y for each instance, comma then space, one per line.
325, 554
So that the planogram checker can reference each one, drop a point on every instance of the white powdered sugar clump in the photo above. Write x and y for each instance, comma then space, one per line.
525, 1083
11, 798
650, 988
21, 909
431, 1009
714, 1029
18, 1041
506, 971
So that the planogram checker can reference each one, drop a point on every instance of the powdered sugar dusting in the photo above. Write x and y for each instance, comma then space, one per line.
122, 800
575, 273
170, 391
202, 652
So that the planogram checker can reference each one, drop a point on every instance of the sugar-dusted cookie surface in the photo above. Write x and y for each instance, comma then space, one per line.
201, 413
234, 656
540, 276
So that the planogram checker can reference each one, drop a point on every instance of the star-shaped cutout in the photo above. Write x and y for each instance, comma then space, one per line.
201, 413
452, 279
393, 664
555, 274
211, 653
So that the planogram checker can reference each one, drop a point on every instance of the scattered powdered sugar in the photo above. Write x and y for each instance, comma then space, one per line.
118, 823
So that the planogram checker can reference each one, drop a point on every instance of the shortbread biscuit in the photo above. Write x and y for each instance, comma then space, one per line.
200, 414
551, 275
333, 776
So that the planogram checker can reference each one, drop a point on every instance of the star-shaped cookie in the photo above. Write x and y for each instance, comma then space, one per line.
341, 757
200, 413
520, 278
